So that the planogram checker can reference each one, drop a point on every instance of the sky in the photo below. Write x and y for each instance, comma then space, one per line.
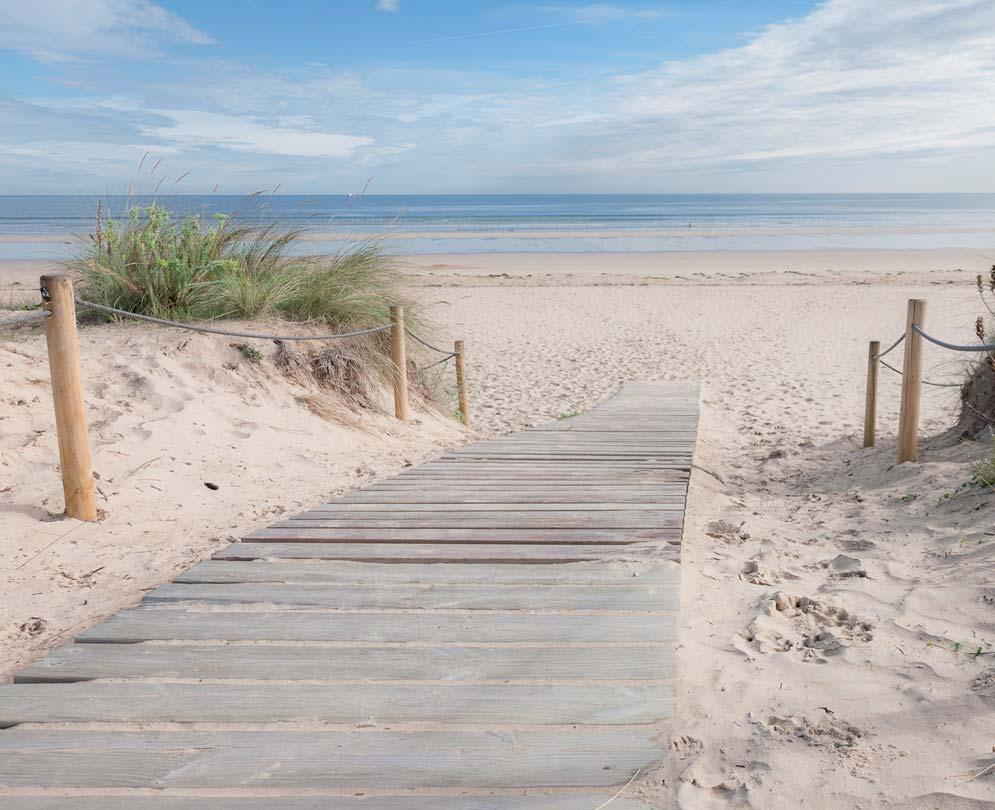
459, 96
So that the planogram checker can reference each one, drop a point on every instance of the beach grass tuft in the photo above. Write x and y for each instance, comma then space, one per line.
184, 268
977, 415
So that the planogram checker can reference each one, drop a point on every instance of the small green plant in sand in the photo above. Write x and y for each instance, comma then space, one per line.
250, 353
983, 474
568, 415
982, 477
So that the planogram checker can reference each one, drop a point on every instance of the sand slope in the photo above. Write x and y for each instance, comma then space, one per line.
168, 412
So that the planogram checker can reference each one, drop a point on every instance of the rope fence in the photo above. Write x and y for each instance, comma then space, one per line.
428, 345
449, 355
894, 345
60, 318
912, 379
445, 359
898, 371
209, 330
21, 320
981, 347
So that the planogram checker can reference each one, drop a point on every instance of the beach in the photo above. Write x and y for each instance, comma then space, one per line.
794, 532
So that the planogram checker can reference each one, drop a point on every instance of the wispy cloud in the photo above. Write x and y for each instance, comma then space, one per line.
913, 76
855, 95
204, 129
389, 6
63, 30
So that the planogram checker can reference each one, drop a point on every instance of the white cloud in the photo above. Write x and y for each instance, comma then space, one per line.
852, 79
61, 30
389, 6
856, 95
204, 129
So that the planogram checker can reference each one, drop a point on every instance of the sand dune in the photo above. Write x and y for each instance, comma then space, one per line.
169, 412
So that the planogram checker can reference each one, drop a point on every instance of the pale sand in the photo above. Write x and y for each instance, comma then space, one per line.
883, 705
945, 265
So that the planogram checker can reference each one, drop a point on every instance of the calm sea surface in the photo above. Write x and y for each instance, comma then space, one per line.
507, 223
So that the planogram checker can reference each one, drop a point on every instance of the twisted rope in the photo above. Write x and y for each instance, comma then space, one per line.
445, 359
228, 332
20, 320
924, 382
428, 345
894, 345
982, 347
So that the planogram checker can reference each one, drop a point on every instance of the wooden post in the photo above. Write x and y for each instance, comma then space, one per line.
908, 420
67, 390
871, 395
464, 405
399, 356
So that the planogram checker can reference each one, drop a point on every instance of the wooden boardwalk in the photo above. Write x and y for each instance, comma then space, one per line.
493, 630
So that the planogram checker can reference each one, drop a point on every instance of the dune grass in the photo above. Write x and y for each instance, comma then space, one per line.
183, 268
186, 269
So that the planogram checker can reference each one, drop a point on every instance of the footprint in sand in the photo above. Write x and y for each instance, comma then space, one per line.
824, 732
757, 574
727, 532
984, 684
807, 626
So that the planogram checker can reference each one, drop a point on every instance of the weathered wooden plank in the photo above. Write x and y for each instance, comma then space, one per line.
565, 465
512, 479
469, 508
554, 444
679, 461
281, 759
545, 801
417, 484
517, 520
518, 497
540, 475
446, 553
345, 572
303, 531
84, 662
130, 626
434, 596
596, 476
455, 703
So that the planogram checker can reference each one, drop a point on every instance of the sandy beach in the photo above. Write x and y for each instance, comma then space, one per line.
793, 533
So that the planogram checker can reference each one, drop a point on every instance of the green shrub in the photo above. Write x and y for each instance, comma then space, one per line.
185, 269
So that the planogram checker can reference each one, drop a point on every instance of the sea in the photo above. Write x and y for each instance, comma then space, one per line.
38, 226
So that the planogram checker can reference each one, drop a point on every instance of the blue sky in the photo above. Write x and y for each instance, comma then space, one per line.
434, 96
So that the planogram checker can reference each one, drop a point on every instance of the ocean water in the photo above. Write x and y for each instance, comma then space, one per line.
559, 223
